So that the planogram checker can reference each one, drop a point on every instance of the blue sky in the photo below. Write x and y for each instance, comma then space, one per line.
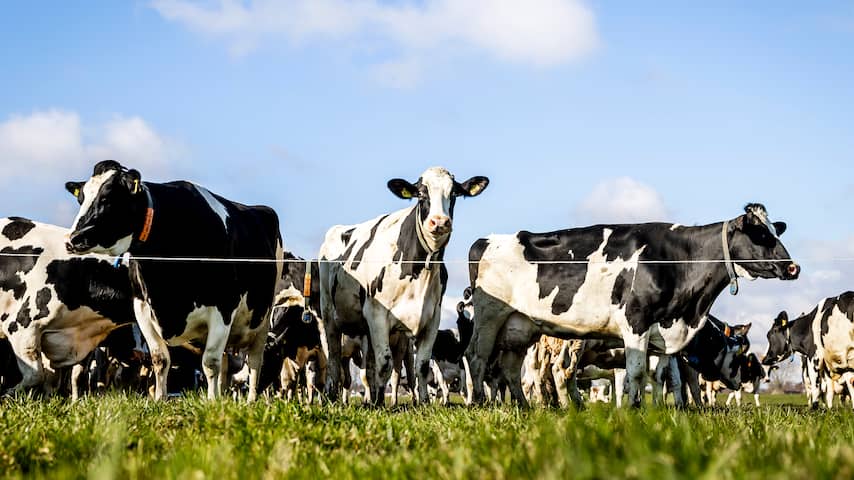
579, 112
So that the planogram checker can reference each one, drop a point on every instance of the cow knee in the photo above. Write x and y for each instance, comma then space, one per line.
159, 361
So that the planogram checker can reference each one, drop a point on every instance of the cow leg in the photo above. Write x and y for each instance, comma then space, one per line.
160, 359
77, 372
214, 350
711, 395
330, 341
636, 366
423, 352
320, 375
395, 384
491, 319
693, 381
440, 380
469, 381
829, 392
511, 366
619, 386
814, 381
409, 368
674, 380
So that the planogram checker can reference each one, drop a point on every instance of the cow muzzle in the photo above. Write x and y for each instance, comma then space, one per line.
439, 225
793, 270
76, 242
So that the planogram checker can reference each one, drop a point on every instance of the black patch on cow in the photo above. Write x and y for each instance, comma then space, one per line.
11, 266
17, 228
377, 283
92, 283
363, 296
24, 318
409, 250
443, 277
13, 327
4, 317
345, 237
42, 298
357, 260
475, 254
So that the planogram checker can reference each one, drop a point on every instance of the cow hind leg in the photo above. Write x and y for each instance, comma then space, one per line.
27, 347
511, 366
214, 349
636, 367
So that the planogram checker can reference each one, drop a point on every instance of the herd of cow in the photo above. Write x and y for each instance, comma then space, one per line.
156, 282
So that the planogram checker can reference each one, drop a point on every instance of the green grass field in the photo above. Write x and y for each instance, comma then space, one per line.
122, 437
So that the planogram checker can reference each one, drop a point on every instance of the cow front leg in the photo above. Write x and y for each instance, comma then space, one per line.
440, 381
214, 350
636, 366
160, 359
423, 352
619, 386
511, 367
330, 342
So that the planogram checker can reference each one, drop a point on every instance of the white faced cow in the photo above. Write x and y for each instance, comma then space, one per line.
387, 274
825, 338
220, 302
635, 282
53, 305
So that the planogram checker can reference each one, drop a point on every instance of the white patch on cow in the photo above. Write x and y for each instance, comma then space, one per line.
571, 254
504, 274
215, 205
118, 248
837, 345
440, 186
674, 227
196, 327
742, 272
673, 339
90, 194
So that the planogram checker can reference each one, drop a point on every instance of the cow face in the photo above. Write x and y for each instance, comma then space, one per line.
112, 209
779, 346
436, 192
757, 239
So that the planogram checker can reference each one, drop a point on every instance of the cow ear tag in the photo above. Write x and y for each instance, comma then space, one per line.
405, 193
733, 287
135, 186
783, 322
76, 192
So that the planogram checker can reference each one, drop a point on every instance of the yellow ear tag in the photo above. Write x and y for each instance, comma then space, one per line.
474, 189
405, 194
76, 192
135, 186
783, 323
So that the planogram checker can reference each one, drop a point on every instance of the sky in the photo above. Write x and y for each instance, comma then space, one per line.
579, 112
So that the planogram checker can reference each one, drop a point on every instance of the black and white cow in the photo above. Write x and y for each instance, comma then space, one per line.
637, 282
825, 336
221, 302
752, 377
387, 274
449, 347
54, 306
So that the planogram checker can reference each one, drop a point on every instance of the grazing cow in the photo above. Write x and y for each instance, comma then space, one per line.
825, 337
752, 377
449, 347
387, 274
636, 282
54, 306
220, 302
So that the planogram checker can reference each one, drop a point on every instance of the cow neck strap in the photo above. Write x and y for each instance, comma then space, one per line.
733, 278
419, 233
149, 217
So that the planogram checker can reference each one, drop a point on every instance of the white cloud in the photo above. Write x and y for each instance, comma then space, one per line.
622, 200
53, 146
533, 32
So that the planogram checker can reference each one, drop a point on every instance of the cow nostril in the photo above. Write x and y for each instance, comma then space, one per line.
793, 269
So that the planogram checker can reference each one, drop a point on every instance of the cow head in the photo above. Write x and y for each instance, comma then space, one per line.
779, 346
756, 242
436, 192
113, 205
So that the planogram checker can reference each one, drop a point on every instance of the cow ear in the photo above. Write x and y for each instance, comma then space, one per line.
467, 293
782, 319
780, 227
132, 181
460, 307
402, 188
746, 328
471, 187
74, 188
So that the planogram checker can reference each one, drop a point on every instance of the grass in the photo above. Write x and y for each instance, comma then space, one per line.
128, 437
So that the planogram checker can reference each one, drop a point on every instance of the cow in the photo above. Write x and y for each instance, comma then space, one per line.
293, 340
388, 274
219, 291
449, 347
53, 305
649, 284
755, 373
824, 336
